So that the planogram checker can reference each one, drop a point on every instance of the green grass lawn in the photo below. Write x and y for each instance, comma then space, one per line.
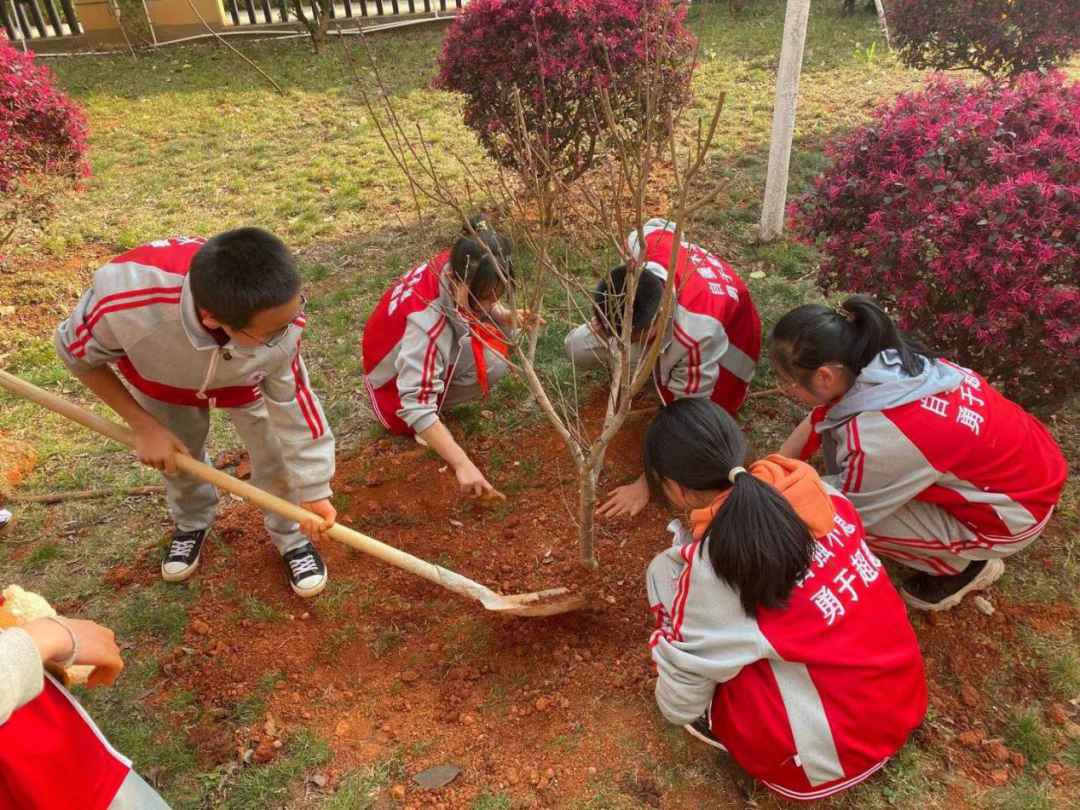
191, 141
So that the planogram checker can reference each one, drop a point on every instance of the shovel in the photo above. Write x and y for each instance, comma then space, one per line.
540, 603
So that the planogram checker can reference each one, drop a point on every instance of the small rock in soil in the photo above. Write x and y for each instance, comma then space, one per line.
398, 792
997, 752
265, 752
1018, 759
408, 676
342, 729
437, 776
969, 696
1056, 715
971, 738
200, 627
999, 777
982, 605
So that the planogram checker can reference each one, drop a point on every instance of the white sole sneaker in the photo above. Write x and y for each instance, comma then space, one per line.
990, 574
715, 743
307, 593
180, 576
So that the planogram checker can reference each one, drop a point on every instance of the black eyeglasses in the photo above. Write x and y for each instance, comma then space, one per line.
280, 334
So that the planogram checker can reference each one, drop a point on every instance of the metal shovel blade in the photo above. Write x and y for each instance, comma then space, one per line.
540, 603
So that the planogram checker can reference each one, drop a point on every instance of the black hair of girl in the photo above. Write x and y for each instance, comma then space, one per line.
814, 335
756, 543
484, 262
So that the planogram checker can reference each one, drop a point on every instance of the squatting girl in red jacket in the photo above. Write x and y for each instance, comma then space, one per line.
948, 476
779, 637
438, 339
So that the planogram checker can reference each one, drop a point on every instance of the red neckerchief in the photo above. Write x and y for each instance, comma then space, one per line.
813, 444
484, 335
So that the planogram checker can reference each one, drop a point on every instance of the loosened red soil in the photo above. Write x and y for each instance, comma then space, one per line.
542, 709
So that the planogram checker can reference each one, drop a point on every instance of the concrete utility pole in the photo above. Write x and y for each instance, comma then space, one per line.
783, 126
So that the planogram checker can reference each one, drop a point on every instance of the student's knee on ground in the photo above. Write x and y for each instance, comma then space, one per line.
584, 349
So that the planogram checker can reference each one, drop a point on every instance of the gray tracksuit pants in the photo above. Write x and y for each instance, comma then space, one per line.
193, 502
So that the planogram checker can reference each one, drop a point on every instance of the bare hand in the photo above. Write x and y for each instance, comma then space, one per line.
625, 500
97, 647
314, 529
472, 482
156, 446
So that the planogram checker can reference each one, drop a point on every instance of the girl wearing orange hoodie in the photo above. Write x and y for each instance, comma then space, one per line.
779, 637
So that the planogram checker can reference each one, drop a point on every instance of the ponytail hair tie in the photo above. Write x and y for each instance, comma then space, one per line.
735, 472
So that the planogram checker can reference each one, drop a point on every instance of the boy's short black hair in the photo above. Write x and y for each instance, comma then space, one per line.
610, 299
239, 273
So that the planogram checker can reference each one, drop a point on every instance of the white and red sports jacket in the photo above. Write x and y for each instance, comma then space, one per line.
52, 755
944, 437
811, 698
714, 338
140, 315
412, 342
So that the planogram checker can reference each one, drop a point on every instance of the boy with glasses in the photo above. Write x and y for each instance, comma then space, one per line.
192, 324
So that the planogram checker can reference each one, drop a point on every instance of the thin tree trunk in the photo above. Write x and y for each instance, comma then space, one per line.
587, 515
783, 126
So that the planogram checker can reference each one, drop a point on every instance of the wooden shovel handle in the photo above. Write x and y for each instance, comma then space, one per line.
264, 500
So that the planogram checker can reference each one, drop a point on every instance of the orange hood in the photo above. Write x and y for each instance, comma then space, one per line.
796, 481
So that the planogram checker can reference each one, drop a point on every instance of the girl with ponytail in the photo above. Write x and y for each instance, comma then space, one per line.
779, 638
438, 338
948, 476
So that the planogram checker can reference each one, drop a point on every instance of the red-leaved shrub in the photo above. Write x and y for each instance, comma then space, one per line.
998, 38
557, 55
960, 208
42, 138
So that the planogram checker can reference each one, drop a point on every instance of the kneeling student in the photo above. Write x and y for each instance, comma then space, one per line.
438, 338
711, 344
779, 637
948, 475
193, 324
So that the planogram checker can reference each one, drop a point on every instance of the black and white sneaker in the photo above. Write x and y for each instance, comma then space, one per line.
182, 558
7, 521
306, 570
700, 729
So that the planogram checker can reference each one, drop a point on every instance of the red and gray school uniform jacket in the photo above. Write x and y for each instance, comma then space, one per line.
944, 437
52, 755
713, 342
412, 343
811, 698
139, 315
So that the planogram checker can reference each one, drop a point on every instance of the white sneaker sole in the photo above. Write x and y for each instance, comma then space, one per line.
707, 740
307, 593
990, 574
180, 576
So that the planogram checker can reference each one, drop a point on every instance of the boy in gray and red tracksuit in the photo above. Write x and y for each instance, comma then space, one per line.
711, 344
192, 324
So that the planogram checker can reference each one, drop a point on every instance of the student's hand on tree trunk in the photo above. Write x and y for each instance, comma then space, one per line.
316, 529
156, 446
625, 500
472, 482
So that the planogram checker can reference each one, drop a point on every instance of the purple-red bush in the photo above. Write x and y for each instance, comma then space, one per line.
558, 56
998, 38
42, 136
960, 208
